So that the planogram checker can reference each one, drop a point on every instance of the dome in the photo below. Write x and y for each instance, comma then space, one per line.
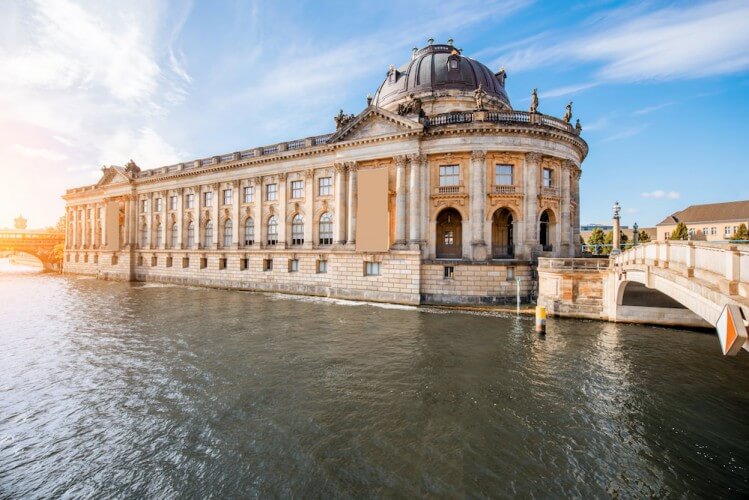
436, 69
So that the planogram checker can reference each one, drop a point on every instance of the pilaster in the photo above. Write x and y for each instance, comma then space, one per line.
400, 200
415, 199
532, 181
309, 207
352, 203
339, 221
478, 204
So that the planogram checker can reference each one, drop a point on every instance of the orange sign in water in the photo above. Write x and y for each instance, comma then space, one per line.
732, 330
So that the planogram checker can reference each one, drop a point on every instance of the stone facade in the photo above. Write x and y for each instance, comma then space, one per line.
482, 191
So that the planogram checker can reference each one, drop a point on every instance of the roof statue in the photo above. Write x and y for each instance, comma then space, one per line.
341, 119
131, 167
568, 113
578, 127
534, 101
412, 105
479, 94
501, 76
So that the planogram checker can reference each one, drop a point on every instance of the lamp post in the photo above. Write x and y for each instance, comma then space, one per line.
616, 240
635, 235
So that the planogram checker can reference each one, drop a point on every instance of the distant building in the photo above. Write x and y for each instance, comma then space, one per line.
19, 222
586, 229
710, 222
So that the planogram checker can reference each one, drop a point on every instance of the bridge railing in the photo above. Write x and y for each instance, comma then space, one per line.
723, 263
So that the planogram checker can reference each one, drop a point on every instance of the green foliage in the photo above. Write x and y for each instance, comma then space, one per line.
643, 237
680, 232
742, 234
596, 237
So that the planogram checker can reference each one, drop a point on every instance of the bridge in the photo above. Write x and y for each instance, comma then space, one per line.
673, 283
39, 243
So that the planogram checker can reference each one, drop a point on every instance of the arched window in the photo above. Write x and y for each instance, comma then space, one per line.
208, 236
326, 229
272, 230
144, 240
228, 228
175, 234
449, 234
249, 231
159, 235
297, 230
502, 237
191, 235
546, 230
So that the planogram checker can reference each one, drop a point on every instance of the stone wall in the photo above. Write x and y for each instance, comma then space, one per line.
398, 281
474, 283
576, 290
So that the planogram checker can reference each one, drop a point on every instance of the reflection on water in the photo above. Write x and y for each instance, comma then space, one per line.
113, 389
18, 265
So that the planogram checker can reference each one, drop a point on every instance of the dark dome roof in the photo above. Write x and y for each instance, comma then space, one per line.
428, 72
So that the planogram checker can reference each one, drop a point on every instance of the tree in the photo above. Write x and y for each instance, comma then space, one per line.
609, 240
680, 232
596, 239
643, 237
742, 234
60, 226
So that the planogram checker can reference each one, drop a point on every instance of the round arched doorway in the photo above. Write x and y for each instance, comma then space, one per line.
449, 234
546, 229
502, 234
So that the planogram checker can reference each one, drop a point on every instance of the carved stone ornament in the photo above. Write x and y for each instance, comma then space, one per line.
325, 205
417, 159
533, 157
568, 113
342, 119
131, 167
400, 161
309, 173
340, 167
258, 180
282, 176
479, 95
534, 101
352, 166
478, 155
411, 106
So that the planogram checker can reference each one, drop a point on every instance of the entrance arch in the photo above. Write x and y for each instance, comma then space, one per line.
503, 246
449, 234
546, 230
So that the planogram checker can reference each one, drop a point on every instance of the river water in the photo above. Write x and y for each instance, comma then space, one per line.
142, 390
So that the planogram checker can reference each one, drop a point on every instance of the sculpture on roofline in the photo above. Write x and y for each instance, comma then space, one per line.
534, 101
479, 94
341, 119
578, 127
568, 113
131, 167
412, 105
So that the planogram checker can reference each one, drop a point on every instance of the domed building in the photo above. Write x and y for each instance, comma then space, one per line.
437, 192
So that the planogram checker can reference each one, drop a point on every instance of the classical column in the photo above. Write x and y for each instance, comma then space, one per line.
282, 210
75, 227
309, 207
566, 251
400, 200
257, 215
128, 220
340, 204
103, 223
164, 195
133, 222
478, 204
179, 193
424, 214
214, 213
198, 218
576, 222
415, 199
236, 213
352, 202
532, 179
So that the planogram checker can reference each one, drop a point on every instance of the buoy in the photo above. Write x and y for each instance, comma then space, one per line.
541, 320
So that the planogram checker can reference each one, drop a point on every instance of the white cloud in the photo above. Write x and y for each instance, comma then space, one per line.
630, 132
671, 43
659, 194
649, 109
43, 153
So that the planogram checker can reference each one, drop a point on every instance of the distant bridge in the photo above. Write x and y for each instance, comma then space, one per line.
677, 283
40, 244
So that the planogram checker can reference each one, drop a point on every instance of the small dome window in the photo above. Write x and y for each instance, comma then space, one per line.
453, 65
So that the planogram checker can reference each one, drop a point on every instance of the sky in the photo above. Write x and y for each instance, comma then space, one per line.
661, 88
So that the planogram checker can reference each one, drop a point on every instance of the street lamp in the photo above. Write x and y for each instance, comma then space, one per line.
636, 235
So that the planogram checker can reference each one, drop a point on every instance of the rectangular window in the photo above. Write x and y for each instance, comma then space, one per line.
267, 264
449, 175
208, 199
98, 213
96, 258
227, 196
114, 260
322, 266
727, 231
190, 201
154, 261
297, 189
713, 231
503, 175
185, 262
448, 272
172, 203
510, 273
271, 192
325, 186
158, 204
76, 258
140, 260
244, 264
144, 206
371, 269
222, 263
293, 265
169, 261
203, 262
248, 190
67, 258
547, 178
85, 258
